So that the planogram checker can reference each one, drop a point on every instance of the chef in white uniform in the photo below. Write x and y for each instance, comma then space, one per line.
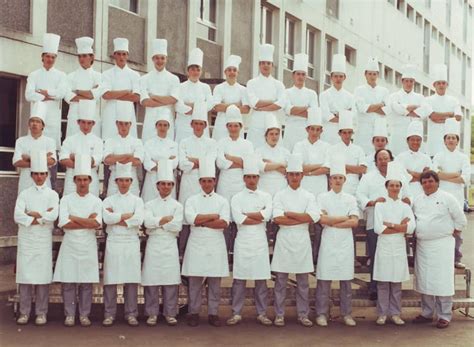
163, 220
191, 150
158, 90
379, 141
265, 93
229, 92
123, 213
157, 148
294, 209
393, 220
370, 192
77, 266
48, 84
205, 259
443, 107
119, 83
190, 93
35, 140
438, 218
454, 171
83, 84
314, 152
298, 100
123, 148
36, 210
336, 254
251, 209
405, 106
371, 101
274, 157
335, 99
355, 158
414, 160
84, 142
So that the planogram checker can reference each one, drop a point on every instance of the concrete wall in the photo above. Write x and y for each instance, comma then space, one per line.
15, 15
241, 42
212, 64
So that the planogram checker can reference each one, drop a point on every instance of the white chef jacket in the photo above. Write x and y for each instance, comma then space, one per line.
227, 94
34, 261
364, 96
295, 126
455, 161
116, 78
122, 261
439, 103
414, 161
314, 153
437, 215
54, 81
156, 149
332, 101
81, 143
82, 79
399, 120
188, 92
371, 187
161, 83
117, 145
272, 181
25, 145
206, 251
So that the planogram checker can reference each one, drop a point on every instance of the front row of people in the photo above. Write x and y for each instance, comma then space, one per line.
293, 209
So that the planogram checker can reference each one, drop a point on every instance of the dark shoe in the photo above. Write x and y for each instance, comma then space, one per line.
422, 319
214, 320
442, 324
193, 320
373, 296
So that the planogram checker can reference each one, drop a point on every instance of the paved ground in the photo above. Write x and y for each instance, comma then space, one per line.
367, 334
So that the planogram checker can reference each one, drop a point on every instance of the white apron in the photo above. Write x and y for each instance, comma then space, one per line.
251, 258
272, 182
189, 185
336, 255
231, 182
293, 252
161, 264
295, 131
122, 261
256, 130
391, 263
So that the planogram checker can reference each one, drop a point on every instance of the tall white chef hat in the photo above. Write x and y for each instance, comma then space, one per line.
196, 57
86, 109
38, 110
380, 127
372, 64
39, 161
301, 62
266, 52
159, 46
199, 111
120, 44
337, 164
345, 120
233, 115
84, 45
125, 111
163, 113
251, 165
295, 163
396, 172
123, 170
440, 73
452, 127
207, 167
314, 117
165, 171
82, 165
338, 63
415, 128
271, 121
232, 61
51, 43
409, 71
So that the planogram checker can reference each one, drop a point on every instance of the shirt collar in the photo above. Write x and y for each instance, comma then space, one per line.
207, 195
41, 188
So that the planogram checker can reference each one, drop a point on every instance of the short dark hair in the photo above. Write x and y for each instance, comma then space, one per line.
383, 149
428, 174
386, 183
193, 65
444, 137
268, 130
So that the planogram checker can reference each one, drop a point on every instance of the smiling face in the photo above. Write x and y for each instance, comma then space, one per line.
207, 184
164, 188
346, 135
382, 159
48, 60
159, 60
440, 87
393, 188
231, 73
371, 77
379, 142
451, 141
414, 143
429, 185
194, 72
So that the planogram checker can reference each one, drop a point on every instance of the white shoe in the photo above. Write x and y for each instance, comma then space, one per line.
305, 321
349, 321
23, 319
279, 321
108, 322
85, 321
171, 321
381, 320
41, 319
322, 321
397, 320
151, 321
70, 321
234, 320
132, 321
264, 320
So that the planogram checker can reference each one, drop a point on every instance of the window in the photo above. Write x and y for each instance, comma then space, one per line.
398, 79
464, 20
426, 91
410, 13
127, 5
448, 13
332, 8
289, 42
313, 45
388, 74
417, 87
463, 74
9, 89
441, 39
331, 49
419, 20
206, 28
447, 55
266, 25
401, 6
350, 54
434, 33
459, 53
426, 47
